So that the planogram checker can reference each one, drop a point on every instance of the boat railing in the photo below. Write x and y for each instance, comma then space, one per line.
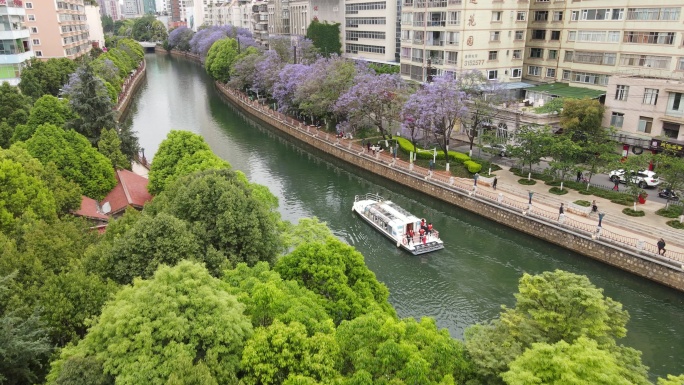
368, 197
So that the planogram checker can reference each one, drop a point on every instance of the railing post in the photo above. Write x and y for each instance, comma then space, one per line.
640, 245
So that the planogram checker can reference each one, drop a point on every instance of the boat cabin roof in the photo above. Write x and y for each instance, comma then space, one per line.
394, 214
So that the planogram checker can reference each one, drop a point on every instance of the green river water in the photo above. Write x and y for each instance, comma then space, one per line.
461, 285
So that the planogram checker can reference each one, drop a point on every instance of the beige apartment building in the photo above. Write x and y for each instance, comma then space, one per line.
58, 28
542, 41
647, 111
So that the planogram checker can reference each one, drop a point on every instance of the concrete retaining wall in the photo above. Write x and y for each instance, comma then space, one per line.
130, 88
663, 271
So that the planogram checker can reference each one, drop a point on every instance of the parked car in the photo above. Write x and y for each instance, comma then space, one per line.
498, 149
668, 194
643, 178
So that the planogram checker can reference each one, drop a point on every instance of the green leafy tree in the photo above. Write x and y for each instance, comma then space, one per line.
172, 154
133, 49
83, 371
176, 325
22, 195
47, 109
46, 77
671, 380
149, 243
109, 145
329, 78
107, 23
225, 214
377, 348
25, 344
582, 362
306, 230
267, 298
243, 71
69, 300
280, 352
90, 100
532, 144
338, 274
75, 158
220, 59
566, 154
146, 28
671, 170
14, 107
550, 307
325, 37
581, 119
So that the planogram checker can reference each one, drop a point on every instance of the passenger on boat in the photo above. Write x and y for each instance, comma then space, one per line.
429, 229
408, 238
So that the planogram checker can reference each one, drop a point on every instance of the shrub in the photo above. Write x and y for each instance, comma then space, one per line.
673, 211
527, 182
459, 156
558, 191
406, 146
633, 213
473, 167
676, 224
582, 203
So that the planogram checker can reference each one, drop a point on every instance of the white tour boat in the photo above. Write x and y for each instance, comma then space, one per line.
395, 223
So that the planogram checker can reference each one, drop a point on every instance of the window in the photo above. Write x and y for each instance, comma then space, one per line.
519, 35
38, 53
31, 17
534, 71
680, 64
521, 16
602, 14
35, 41
356, 48
675, 107
568, 56
566, 75
645, 124
452, 38
541, 15
492, 74
643, 37
516, 72
550, 72
557, 15
662, 62
536, 53
495, 36
497, 16
517, 54
616, 119
454, 18
621, 92
493, 55
574, 16
572, 35
452, 58
650, 96
671, 14
613, 36
538, 34
34, 29
29, 5
555, 35
671, 130
553, 54
591, 36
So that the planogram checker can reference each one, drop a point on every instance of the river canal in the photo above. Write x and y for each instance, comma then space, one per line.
461, 285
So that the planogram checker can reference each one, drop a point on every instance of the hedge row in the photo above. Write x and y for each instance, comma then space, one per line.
407, 147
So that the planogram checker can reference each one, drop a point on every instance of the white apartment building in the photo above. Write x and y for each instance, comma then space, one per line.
371, 30
648, 112
582, 42
15, 49
95, 29
228, 12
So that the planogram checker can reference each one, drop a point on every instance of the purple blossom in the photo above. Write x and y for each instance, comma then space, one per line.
180, 37
327, 80
375, 99
285, 87
267, 71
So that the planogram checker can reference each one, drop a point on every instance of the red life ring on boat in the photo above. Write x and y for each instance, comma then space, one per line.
404, 241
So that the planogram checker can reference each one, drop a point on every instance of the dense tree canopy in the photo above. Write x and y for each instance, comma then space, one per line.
22, 195
47, 109
220, 59
77, 160
325, 37
46, 77
14, 109
175, 327
148, 28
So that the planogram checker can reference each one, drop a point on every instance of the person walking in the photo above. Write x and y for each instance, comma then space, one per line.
661, 247
561, 211
617, 184
579, 176
494, 183
477, 175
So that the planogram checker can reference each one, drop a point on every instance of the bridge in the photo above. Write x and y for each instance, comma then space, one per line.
148, 46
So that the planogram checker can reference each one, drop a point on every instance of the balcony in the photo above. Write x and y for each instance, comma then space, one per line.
437, 3
417, 41
14, 34
15, 56
436, 23
417, 59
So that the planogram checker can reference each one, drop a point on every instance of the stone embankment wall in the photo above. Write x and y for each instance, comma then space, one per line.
187, 55
635, 259
129, 89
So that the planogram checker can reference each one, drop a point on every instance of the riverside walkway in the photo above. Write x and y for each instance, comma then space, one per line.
617, 229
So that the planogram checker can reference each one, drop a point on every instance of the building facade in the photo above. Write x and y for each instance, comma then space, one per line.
95, 30
15, 47
58, 28
582, 42
110, 8
371, 30
646, 111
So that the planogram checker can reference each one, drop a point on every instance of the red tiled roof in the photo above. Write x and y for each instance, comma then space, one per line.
90, 209
130, 190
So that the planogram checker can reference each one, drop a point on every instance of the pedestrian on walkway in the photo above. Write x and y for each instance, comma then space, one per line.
617, 184
561, 211
431, 165
661, 247
477, 175
579, 176
594, 207
494, 183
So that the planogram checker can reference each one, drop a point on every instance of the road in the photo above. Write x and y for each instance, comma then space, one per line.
601, 179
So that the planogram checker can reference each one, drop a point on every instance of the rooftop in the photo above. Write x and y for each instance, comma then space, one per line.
565, 91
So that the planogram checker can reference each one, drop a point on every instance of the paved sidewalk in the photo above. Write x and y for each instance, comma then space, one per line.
648, 228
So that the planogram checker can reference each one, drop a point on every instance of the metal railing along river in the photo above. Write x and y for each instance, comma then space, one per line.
518, 204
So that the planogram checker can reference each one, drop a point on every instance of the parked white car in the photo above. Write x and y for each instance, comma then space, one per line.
643, 178
498, 149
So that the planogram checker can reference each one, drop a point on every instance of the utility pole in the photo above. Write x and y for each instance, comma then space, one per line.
294, 50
